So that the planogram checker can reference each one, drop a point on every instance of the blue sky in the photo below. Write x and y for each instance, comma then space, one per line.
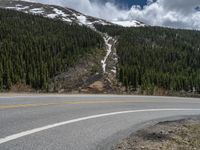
123, 3
132, 2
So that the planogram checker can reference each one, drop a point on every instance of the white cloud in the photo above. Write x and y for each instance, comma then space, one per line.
171, 13
107, 10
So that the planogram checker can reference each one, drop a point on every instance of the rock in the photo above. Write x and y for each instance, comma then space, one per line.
97, 86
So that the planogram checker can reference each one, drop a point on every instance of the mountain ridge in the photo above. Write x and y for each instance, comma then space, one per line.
65, 14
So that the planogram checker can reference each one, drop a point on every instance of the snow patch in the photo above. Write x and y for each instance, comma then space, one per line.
66, 19
37, 11
108, 49
52, 16
59, 12
114, 71
18, 5
82, 19
132, 23
18, 8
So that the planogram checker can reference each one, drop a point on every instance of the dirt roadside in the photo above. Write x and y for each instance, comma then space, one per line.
171, 135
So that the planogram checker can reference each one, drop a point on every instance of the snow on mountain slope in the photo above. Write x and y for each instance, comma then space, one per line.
131, 23
65, 14
55, 12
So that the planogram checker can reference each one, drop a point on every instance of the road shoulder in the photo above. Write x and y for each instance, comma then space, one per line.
182, 134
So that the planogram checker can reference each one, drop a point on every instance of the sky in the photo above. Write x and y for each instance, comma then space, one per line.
169, 13
124, 3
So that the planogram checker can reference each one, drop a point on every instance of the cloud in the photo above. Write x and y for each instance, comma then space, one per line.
106, 9
170, 13
80, 5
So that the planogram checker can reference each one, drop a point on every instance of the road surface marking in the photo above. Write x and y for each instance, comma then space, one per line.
89, 102
61, 103
36, 130
24, 105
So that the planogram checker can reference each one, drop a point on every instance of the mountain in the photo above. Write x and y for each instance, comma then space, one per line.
41, 53
48, 48
156, 60
82, 67
65, 14
51, 11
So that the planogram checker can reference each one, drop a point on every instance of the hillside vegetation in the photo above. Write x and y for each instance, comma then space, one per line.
154, 57
34, 49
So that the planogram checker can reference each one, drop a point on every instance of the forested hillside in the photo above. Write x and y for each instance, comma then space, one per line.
154, 57
34, 49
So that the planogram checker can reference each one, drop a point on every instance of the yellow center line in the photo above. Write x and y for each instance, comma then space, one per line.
85, 102
24, 105
61, 103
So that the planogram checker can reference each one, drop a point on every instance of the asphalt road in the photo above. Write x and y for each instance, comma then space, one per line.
84, 122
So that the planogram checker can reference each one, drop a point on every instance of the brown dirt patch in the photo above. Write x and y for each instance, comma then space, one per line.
20, 87
97, 86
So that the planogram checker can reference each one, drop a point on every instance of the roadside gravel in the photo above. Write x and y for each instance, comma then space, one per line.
172, 135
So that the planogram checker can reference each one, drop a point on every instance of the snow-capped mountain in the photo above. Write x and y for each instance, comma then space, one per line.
65, 14
51, 11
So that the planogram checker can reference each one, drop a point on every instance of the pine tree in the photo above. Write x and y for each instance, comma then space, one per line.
34, 49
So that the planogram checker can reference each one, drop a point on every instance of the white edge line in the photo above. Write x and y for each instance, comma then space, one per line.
36, 130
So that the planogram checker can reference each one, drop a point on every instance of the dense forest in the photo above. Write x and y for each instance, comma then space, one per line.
34, 49
155, 57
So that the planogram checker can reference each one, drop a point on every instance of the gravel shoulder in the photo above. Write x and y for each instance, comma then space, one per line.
170, 135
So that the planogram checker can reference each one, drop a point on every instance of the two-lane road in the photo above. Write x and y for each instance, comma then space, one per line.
84, 122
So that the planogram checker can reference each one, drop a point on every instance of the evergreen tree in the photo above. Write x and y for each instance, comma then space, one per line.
151, 57
34, 49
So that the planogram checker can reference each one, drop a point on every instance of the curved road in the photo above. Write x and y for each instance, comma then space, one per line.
84, 122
